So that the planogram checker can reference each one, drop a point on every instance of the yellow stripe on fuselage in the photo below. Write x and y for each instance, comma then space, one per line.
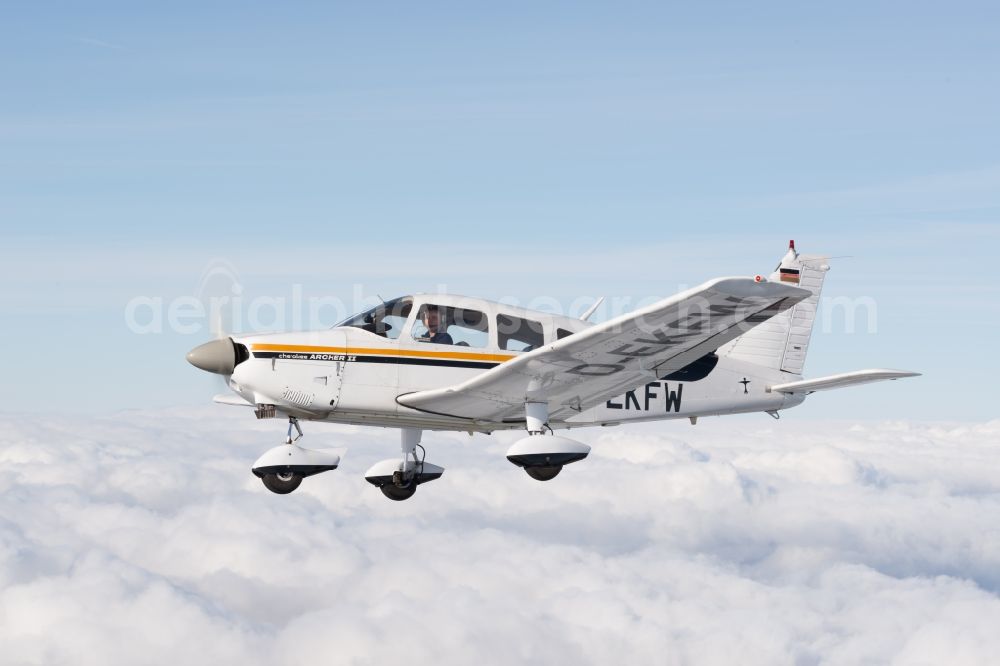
381, 351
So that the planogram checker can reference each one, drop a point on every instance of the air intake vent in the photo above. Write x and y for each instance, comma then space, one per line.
241, 353
300, 398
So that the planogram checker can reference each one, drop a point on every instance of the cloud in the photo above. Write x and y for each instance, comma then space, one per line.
143, 539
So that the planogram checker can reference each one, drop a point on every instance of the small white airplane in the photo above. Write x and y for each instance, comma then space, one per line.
443, 362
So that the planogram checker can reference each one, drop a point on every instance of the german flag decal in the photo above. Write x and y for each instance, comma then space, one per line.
789, 275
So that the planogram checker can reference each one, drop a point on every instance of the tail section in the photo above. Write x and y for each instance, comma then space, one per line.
781, 342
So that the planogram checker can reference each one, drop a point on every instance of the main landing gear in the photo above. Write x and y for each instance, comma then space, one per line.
542, 453
398, 478
282, 468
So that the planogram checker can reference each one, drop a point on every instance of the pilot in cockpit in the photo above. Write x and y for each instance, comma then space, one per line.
435, 332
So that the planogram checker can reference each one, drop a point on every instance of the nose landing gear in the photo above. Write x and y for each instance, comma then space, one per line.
282, 468
281, 483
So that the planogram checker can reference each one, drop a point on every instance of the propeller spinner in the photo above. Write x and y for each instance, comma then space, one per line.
218, 356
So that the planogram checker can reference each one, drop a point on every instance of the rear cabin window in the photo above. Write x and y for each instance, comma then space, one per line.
517, 334
440, 325
562, 333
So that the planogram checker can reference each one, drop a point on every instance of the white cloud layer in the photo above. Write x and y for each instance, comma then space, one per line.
143, 539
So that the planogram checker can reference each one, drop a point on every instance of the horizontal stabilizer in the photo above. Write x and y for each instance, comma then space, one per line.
841, 380
235, 400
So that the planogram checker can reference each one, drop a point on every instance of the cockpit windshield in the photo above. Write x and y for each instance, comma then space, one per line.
385, 319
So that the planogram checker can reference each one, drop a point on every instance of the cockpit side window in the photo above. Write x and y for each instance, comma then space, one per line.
441, 325
386, 319
517, 334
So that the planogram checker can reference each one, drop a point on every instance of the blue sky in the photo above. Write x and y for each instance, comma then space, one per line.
513, 150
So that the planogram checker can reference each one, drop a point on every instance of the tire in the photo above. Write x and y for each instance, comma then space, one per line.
546, 473
282, 483
397, 494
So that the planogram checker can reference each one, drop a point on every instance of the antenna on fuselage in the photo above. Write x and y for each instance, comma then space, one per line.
592, 309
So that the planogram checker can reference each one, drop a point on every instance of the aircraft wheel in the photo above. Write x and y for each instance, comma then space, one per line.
398, 494
546, 473
281, 483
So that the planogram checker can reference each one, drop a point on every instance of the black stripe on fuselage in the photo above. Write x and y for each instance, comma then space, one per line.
361, 358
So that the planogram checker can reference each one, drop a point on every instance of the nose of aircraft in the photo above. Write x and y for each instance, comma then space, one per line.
218, 356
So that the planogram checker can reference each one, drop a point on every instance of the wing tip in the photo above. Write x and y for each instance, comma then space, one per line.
748, 287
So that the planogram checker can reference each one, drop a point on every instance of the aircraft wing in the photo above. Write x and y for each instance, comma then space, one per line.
591, 366
230, 399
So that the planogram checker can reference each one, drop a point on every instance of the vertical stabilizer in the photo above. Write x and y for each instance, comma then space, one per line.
781, 342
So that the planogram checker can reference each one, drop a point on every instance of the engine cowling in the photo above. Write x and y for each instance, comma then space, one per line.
543, 456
